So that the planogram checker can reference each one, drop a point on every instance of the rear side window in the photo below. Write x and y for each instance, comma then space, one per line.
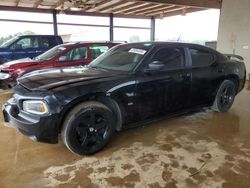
48, 42
97, 50
172, 58
201, 58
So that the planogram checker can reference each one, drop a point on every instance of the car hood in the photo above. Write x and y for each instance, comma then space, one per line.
53, 78
18, 64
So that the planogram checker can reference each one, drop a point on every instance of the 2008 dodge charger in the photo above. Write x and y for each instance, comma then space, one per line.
130, 84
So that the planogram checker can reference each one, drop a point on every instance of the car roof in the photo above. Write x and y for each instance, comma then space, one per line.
95, 42
87, 43
155, 44
163, 43
176, 44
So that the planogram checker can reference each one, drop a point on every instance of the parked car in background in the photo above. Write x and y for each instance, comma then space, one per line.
70, 54
27, 46
130, 84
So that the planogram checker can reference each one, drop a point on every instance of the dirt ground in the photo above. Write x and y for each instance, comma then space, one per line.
203, 149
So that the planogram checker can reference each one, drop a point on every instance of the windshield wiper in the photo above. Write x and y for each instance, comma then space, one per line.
96, 67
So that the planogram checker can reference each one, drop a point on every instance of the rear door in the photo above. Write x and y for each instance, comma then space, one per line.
46, 43
166, 90
25, 47
204, 75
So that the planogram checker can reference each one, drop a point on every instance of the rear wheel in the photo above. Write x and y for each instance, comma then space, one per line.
88, 127
224, 97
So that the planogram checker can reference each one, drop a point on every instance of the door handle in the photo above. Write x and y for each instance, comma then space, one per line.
185, 75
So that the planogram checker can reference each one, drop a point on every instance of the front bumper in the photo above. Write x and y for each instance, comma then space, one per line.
42, 129
7, 84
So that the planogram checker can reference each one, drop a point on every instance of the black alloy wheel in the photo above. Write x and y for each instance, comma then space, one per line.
225, 96
91, 128
88, 128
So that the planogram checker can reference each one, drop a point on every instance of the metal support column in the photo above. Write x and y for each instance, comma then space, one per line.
152, 29
111, 27
55, 22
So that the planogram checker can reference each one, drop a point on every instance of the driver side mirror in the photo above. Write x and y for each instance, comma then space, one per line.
154, 66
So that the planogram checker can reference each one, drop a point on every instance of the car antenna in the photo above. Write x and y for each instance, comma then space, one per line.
179, 38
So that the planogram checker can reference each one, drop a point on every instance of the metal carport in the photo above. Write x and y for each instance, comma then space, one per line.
145, 9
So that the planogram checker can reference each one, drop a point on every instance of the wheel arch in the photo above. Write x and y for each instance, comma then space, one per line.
232, 77
235, 79
99, 97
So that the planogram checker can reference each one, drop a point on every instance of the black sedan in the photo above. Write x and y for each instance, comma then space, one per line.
129, 85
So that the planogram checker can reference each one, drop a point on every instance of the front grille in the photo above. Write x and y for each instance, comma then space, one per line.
22, 88
4, 71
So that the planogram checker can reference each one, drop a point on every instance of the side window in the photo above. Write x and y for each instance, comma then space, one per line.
48, 42
172, 58
97, 50
25, 43
75, 54
201, 58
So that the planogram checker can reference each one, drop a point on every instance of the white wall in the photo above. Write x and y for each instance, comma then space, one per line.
234, 29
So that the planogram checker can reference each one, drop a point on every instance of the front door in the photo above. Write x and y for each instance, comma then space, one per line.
75, 56
25, 47
204, 76
166, 90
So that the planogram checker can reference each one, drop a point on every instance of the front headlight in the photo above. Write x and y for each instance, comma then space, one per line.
35, 107
4, 76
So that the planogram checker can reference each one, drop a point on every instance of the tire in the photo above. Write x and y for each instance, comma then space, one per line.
88, 127
225, 96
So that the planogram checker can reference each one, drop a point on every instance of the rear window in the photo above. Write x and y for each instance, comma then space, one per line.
201, 58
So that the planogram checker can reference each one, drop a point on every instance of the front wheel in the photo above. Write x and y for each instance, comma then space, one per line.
88, 127
224, 97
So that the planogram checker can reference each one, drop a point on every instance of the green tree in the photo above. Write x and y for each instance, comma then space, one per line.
4, 39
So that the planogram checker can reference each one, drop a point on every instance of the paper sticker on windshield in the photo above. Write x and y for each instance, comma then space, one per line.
137, 51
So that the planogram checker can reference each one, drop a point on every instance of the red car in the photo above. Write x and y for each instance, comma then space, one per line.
70, 54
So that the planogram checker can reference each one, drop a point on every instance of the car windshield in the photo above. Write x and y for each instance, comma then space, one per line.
8, 42
51, 53
121, 58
